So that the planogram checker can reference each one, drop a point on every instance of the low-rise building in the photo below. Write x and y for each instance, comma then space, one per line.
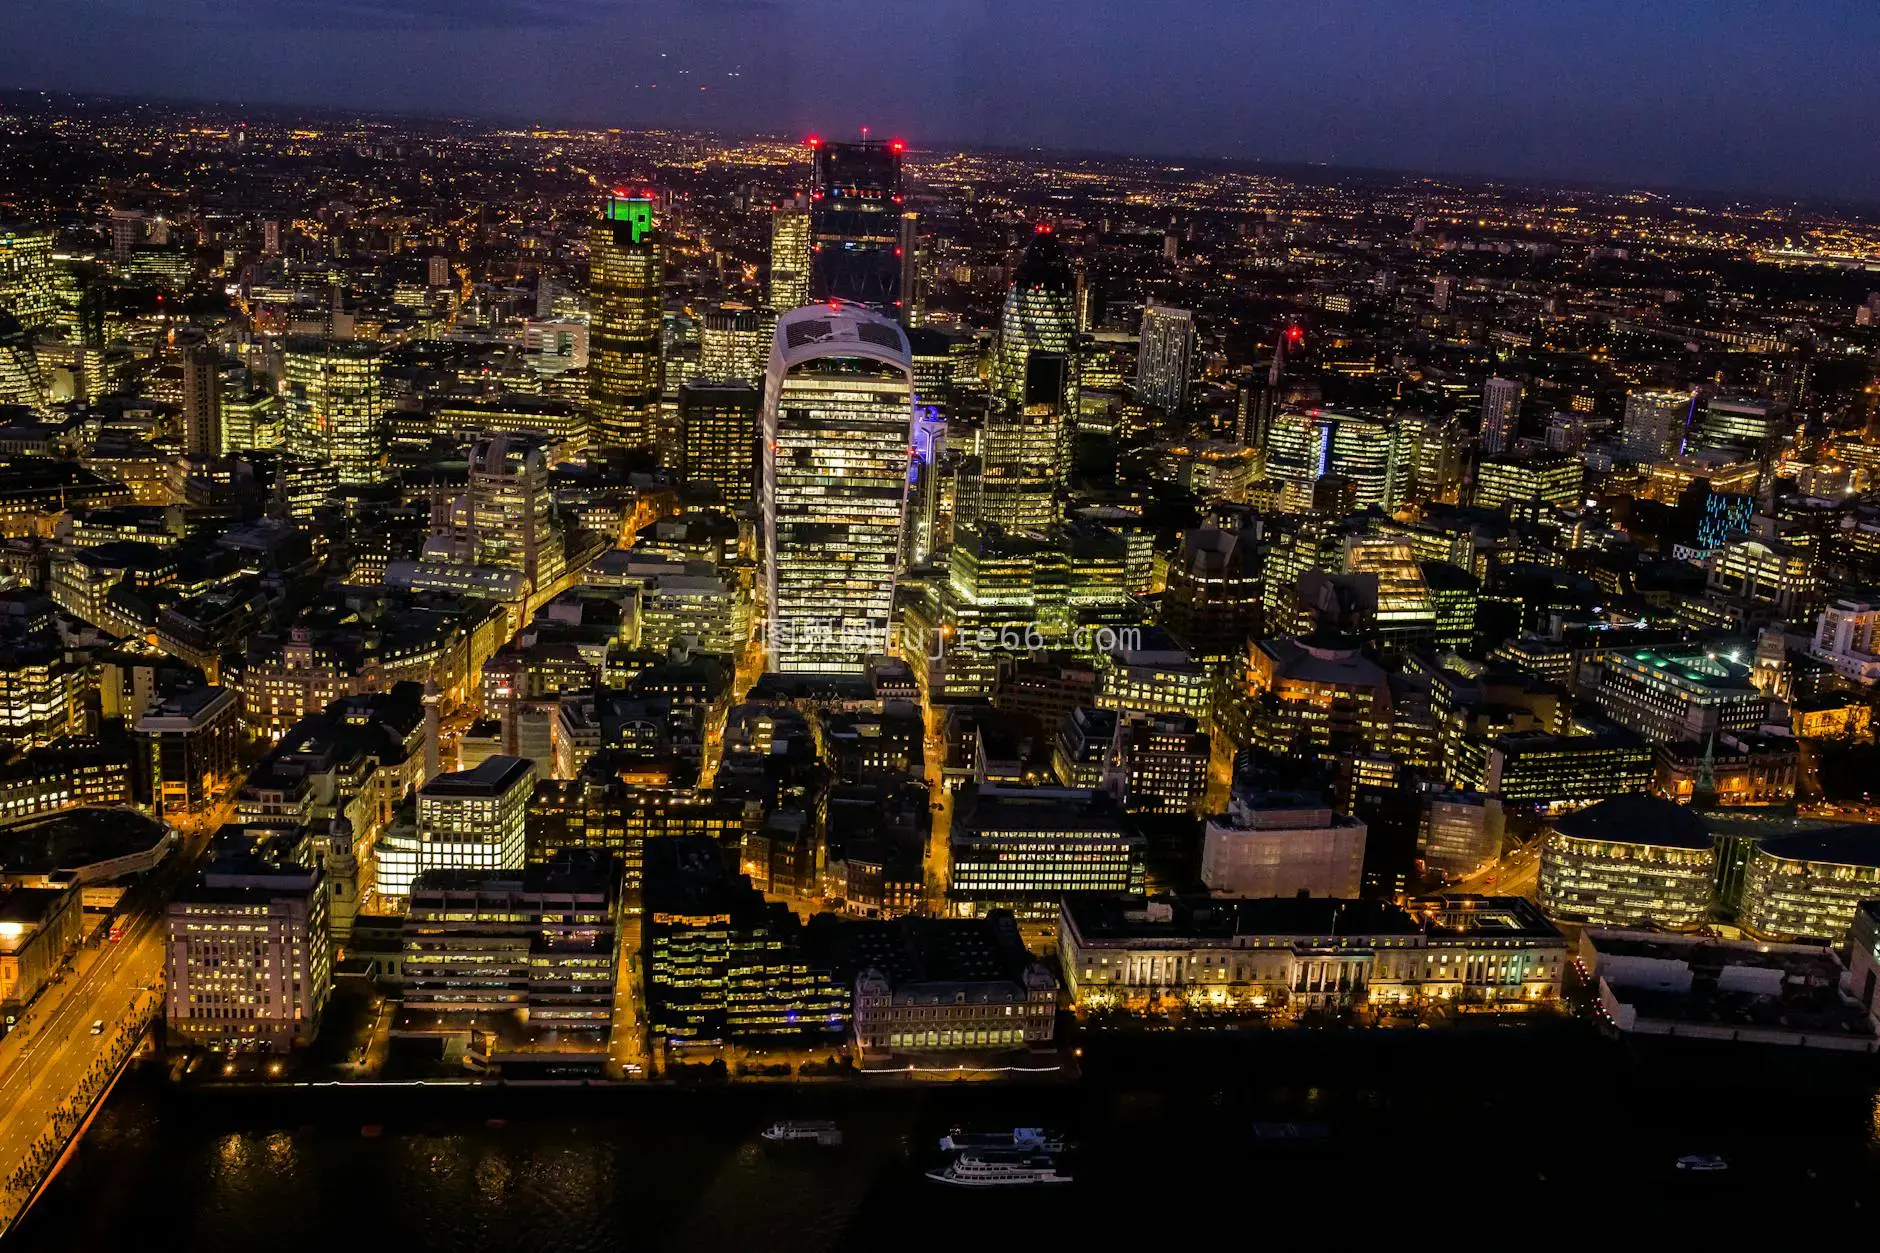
1630, 861
1027, 849
194, 740
39, 928
1287, 955
248, 957
540, 940
1749, 991
1810, 883
1282, 844
928, 986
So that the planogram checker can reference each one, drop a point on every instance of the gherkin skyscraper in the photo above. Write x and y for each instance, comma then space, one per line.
1040, 316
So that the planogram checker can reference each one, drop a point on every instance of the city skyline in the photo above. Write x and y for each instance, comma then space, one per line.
1701, 97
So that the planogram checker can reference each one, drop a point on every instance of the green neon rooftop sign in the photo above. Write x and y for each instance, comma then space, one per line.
637, 214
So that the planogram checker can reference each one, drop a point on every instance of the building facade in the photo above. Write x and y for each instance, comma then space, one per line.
838, 420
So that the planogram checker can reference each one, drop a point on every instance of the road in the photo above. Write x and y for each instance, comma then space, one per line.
939, 852
52, 1064
1516, 874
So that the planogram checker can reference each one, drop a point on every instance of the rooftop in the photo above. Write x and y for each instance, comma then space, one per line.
1637, 818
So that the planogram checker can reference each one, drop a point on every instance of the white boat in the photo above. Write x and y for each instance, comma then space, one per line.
1029, 1139
987, 1168
797, 1132
1702, 1161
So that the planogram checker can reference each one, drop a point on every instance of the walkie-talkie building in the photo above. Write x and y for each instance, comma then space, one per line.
838, 425
626, 266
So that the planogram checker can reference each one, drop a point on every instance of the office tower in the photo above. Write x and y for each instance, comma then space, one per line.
626, 259
855, 224
26, 274
1501, 414
838, 421
733, 345
788, 285
21, 381
722, 963
192, 738
1630, 861
913, 271
335, 412
1025, 449
540, 939
1442, 287
1039, 316
437, 272
1548, 477
202, 399
556, 344
1749, 425
270, 237
718, 425
251, 418
467, 820
1165, 357
511, 509
248, 956
1033, 848
127, 231
1374, 454
1654, 425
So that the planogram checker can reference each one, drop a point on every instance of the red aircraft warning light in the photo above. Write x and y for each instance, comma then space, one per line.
1295, 333
898, 146
814, 141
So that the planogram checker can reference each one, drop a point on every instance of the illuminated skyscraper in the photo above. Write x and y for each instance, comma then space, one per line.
1165, 357
1025, 449
626, 260
251, 418
1040, 316
26, 274
1501, 414
855, 224
913, 254
511, 509
1375, 454
718, 437
334, 410
838, 422
467, 820
733, 344
202, 399
788, 287
21, 382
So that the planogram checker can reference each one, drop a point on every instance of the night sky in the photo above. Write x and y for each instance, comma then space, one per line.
1769, 96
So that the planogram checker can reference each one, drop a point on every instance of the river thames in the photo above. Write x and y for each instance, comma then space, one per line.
1506, 1131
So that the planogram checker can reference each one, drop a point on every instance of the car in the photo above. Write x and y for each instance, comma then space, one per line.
97, 1026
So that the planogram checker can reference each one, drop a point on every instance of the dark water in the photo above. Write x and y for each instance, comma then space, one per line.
1537, 1134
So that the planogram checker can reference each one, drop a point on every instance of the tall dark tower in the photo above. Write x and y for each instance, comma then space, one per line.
626, 262
855, 227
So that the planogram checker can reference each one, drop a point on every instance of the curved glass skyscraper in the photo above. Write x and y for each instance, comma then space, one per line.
838, 426
1040, 316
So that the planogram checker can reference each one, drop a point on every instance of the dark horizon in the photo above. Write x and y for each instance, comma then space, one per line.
1732, 95
1295, 170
